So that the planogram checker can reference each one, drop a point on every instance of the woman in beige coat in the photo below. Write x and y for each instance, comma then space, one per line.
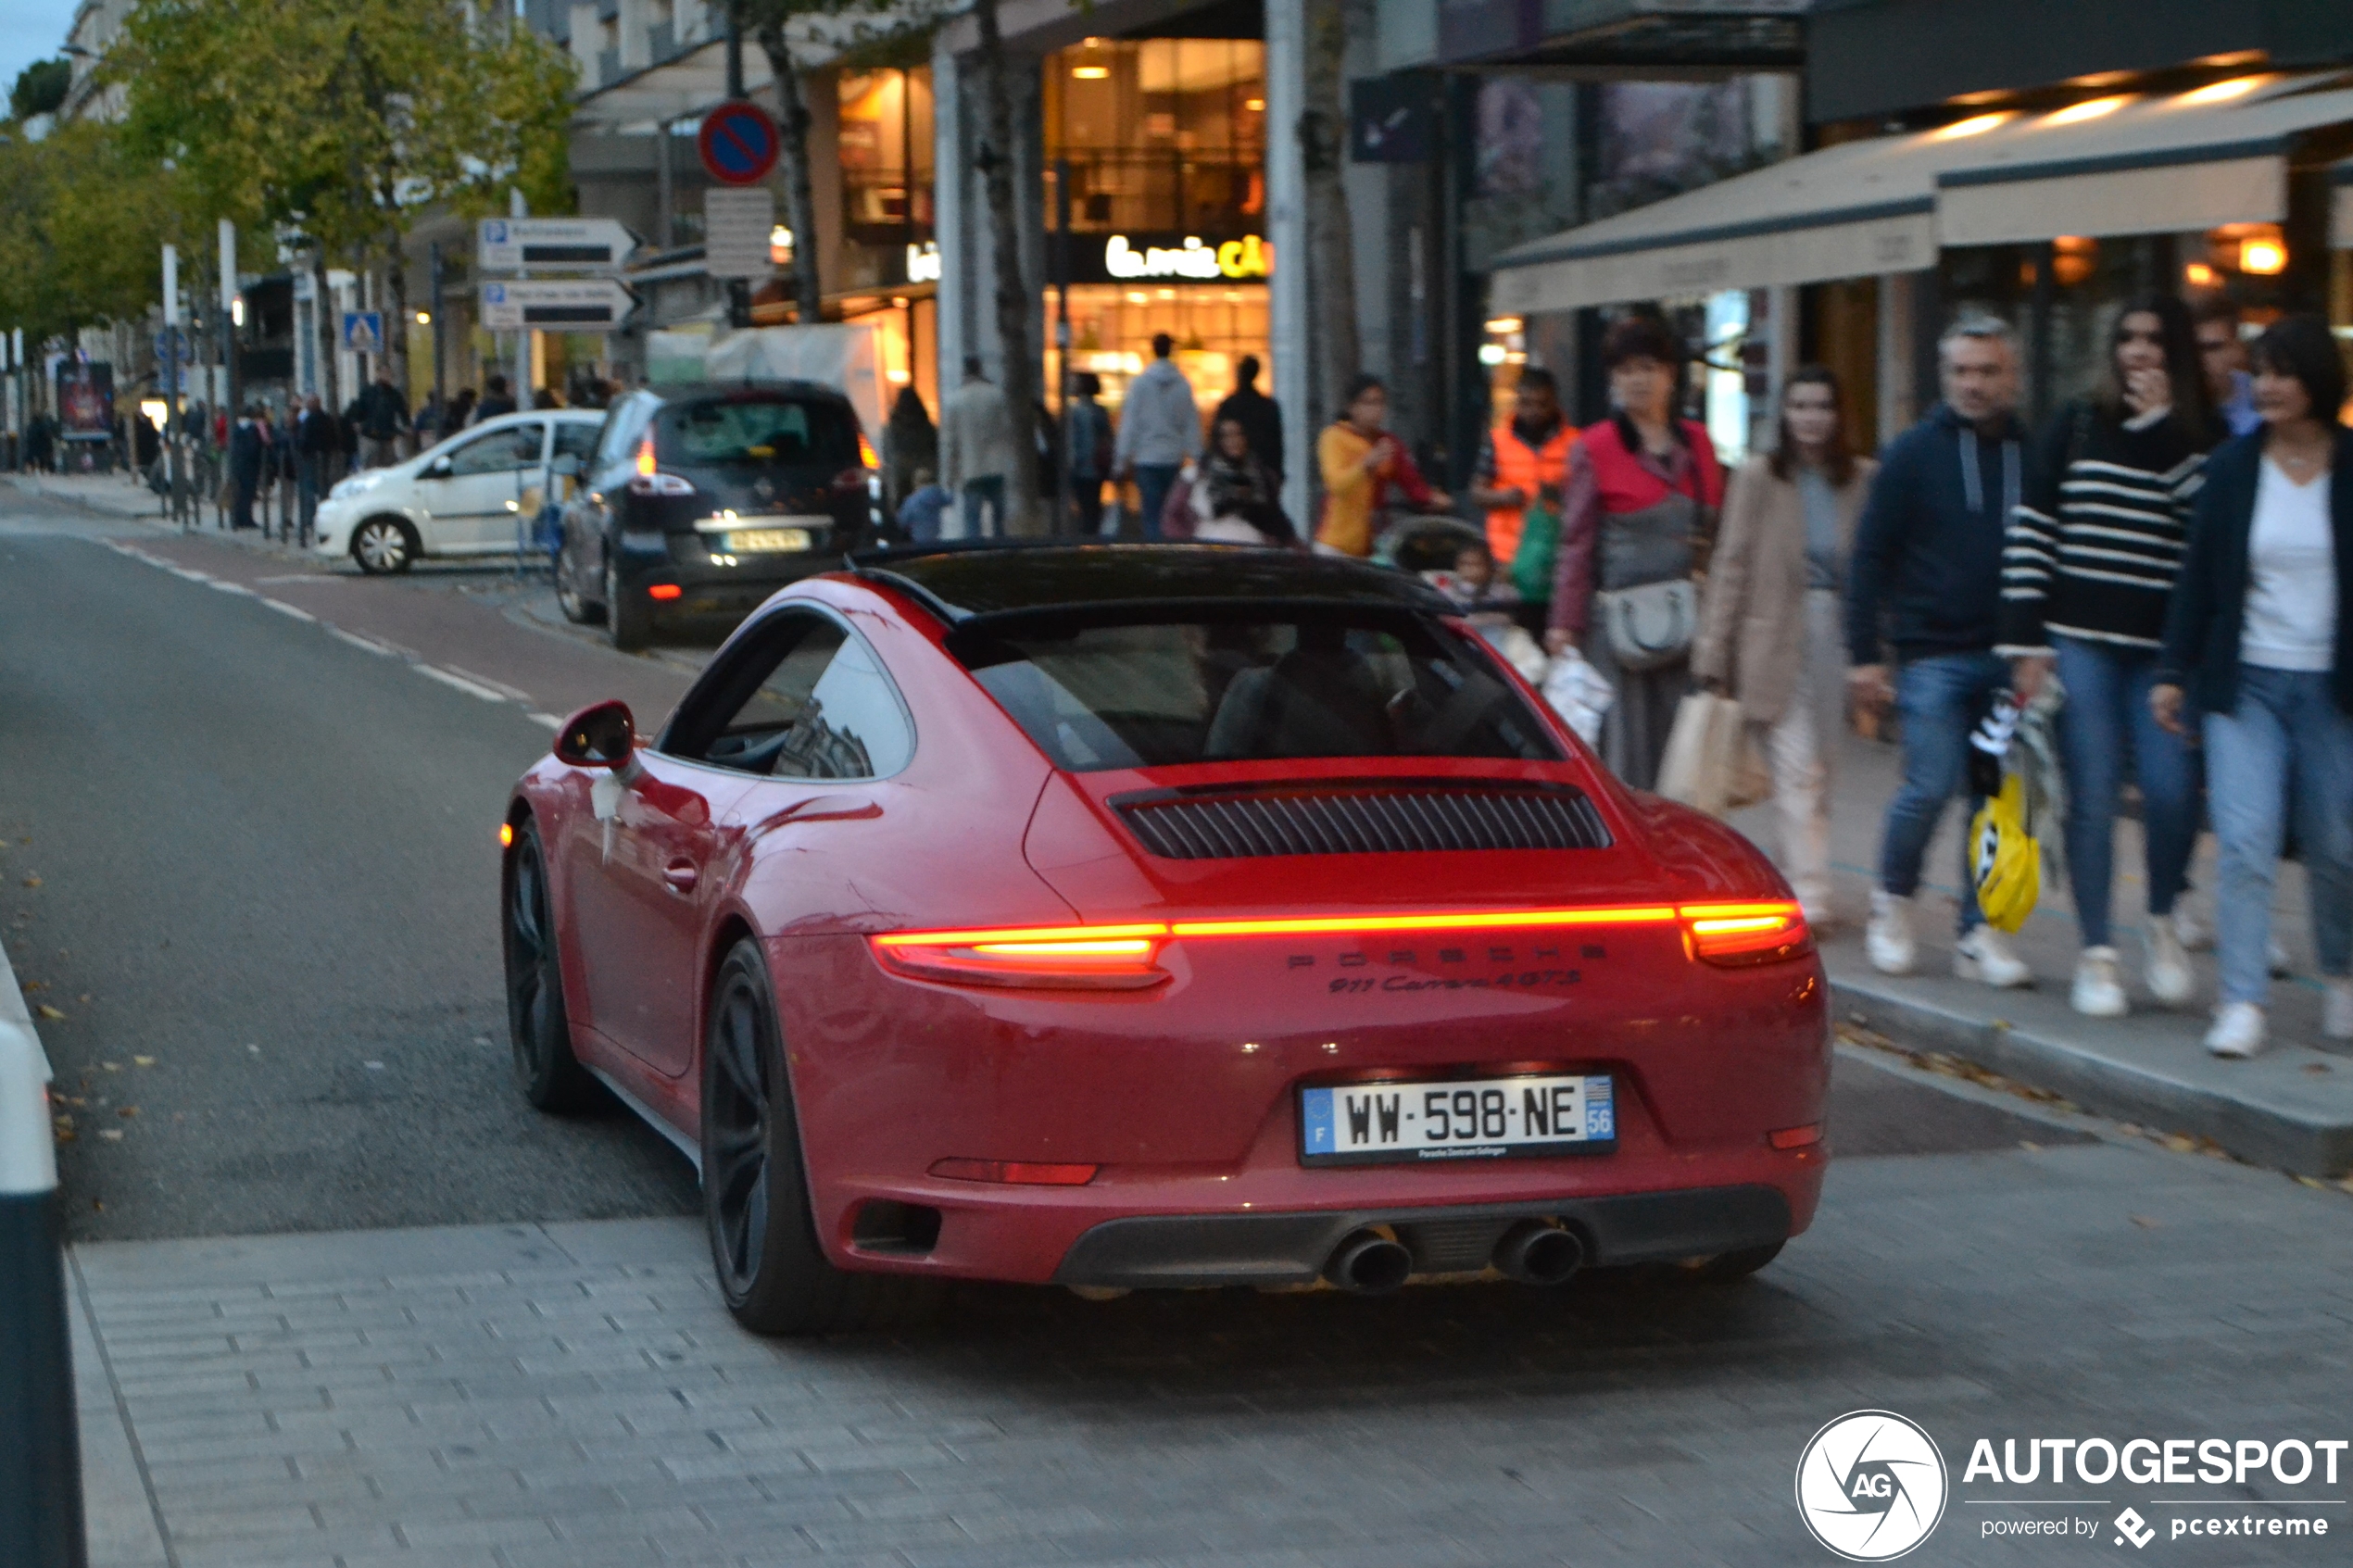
1769, 629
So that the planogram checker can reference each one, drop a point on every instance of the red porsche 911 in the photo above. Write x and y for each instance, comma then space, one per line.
1156, 916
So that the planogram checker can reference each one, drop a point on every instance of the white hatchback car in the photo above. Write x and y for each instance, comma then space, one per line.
472, 495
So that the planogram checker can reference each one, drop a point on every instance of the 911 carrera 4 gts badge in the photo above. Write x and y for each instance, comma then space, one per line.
1498, 968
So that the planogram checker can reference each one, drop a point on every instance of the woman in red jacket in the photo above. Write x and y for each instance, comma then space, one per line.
1636, 516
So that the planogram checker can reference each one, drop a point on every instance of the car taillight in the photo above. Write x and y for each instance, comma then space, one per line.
650, 481
1085, 957
866, 452
1740, 934
646, 456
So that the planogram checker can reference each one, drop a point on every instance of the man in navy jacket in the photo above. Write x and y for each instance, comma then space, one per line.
1926, 579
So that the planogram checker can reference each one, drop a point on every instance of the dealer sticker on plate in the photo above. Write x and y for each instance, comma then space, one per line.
1458, 1118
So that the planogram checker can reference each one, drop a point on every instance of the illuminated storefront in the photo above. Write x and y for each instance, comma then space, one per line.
1163, 144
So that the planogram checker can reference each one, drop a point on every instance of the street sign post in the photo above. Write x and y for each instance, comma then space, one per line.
363, 332
738, 142
511, 244
735, 229
582, 303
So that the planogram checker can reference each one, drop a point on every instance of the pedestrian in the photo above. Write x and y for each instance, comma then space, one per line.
382, 419
1362, 465
1233, 498
1638, 509
495, 400
1770, 632
910, 443
1926, 578
317, 445
2230, 391
1159, 431
2090, 562
547, 398
919, 513
977, 457
1090, 442
461, 413
1260, 416
2256, 641
1523, 463
248, 450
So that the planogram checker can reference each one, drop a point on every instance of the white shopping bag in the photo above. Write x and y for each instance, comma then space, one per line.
1579, 695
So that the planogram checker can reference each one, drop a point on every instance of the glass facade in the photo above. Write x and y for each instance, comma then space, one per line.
1162, 143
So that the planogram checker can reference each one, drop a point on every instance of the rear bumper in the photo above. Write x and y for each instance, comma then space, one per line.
1187, 1250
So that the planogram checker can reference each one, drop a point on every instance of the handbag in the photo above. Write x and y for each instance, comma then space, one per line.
1540, 541
1712, 763
1651, 624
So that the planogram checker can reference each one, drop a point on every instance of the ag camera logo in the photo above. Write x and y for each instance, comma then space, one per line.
1872, 1485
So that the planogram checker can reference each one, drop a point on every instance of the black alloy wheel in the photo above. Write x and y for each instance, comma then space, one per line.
549, 1075
773, 1273
627, 618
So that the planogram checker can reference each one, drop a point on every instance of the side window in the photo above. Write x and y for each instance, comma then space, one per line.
575, 439
501, 451
797, 698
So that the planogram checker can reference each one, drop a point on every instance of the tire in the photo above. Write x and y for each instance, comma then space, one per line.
579, 611
384, 545
549, 1075
772, 1271
627, 622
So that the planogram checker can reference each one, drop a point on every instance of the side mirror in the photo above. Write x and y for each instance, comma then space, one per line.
566, 466
438, 469
601, 736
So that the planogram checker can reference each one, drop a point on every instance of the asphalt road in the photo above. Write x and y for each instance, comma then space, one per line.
252, 866
249, 805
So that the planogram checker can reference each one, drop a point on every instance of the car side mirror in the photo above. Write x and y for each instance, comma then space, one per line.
601, 736
438, 469
566, 466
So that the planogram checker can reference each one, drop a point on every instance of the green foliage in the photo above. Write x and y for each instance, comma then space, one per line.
82, 220
40, 88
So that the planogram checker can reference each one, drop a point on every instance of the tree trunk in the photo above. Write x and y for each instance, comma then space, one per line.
800, 200
323, 305
1019, 380
1331, 248
396, 319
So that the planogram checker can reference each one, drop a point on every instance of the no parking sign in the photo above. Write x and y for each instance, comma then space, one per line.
738, 144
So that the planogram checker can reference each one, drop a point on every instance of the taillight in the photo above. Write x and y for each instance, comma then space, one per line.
651, 481
850, 479
1740, 934
866, 452
1079, 958
646, 456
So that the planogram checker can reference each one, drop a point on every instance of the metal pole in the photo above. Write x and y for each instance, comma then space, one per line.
739, 289
1061, 336
173, 424
41, 1520
518, 207
440, 391
229, 317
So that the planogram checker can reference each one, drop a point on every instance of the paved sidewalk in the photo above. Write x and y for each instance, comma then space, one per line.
2291, 1108
117, 495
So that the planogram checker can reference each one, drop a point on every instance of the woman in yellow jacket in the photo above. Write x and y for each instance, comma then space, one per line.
1360, 462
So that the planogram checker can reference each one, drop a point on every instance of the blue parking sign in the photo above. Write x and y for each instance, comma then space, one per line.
363, 332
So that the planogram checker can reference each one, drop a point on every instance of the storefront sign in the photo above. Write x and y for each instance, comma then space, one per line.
1249, 259
922, 262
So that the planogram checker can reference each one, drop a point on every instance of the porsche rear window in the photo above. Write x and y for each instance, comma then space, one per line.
1101, 693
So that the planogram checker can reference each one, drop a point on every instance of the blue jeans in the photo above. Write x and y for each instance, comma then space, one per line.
1940, 699
1155, 480
2286, 740
2106, 719
986, 493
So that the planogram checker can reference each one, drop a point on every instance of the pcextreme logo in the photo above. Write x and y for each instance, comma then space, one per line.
1872, 1485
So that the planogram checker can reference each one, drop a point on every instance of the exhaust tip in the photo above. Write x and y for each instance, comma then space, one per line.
1370, 1264
1537, 1253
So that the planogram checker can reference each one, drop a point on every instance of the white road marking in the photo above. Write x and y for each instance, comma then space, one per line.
501, 688
307, 577
364, 643
547, 719
232, 588
284, 609
182, 571
459, 683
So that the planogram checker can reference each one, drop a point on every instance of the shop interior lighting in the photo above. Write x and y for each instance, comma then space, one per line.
1499, 325
1972, 125
2262, 256
2198, 275
2090, 109
2221, 92
1255, 106
1091, 73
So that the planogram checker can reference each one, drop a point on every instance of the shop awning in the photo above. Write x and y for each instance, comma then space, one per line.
2188, 161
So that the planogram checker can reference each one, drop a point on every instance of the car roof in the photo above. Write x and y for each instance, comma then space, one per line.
742, 391
962, 583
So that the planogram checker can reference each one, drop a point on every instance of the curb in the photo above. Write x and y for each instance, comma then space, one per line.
2313, 1139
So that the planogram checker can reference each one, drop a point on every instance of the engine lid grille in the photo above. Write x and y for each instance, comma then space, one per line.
1362, 818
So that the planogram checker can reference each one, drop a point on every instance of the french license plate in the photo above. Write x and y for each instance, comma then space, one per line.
1457, 1119
752, 540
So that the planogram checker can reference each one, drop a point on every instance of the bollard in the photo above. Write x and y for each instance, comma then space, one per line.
41, 1524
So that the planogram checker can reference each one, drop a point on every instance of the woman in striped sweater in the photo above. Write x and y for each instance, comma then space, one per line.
2089, 564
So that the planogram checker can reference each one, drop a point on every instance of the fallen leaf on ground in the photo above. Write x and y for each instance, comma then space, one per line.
2144, 1222
52, 1014
111, 1066
86, 995
30, 986
32, 882
127, 1111
2310, 1182
2316, 1067
2180, 1143
112, 1135
142, 1062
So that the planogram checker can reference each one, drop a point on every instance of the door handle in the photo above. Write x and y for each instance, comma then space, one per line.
680, 876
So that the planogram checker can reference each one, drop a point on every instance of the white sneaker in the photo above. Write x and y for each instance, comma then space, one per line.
2190, 928
1984, 954
2336, 1011
2169, 975
2099, 992
2237, 1032
1888, 939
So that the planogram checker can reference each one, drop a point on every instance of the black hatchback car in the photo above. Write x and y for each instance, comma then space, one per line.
697, 506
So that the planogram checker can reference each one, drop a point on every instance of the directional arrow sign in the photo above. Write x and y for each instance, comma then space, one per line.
592, 303
508, 245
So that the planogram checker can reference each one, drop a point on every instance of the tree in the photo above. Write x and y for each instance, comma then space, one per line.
82, 219
40, 88
1018, 380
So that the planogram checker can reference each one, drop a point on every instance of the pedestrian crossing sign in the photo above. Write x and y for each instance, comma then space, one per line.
363, 332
